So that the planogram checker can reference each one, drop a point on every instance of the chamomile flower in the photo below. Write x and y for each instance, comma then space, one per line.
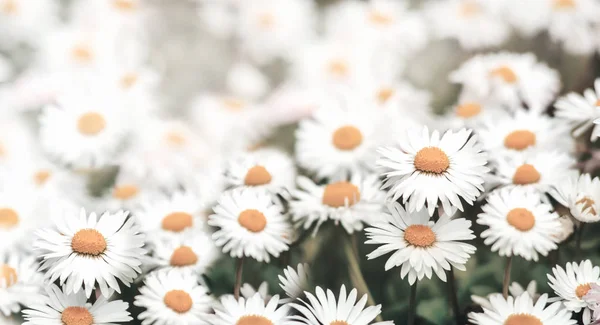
20, 283
18, 217
268, 169
172, 297
522, 310
508, 79
88, 251
171, 215
294, 281
350, 203
250, 224
573, 283
247, 81
326, 309
84, 130
128, 192
580, 194
419, 245
427, 169
473, 114
253, 310
580, 111
26, 20
519, 223
61, 307
194, 251
572, 24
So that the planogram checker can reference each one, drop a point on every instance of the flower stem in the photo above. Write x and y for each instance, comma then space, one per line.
506, 277
238, 277
453, 296
412, 304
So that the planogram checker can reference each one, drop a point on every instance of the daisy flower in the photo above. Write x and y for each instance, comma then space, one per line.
294, 281
419, 244
508, 79
128, 192
194, 251
247, 291
573, 283
572, 22
338, 141
88, 251
60, 307
427, 169
18, 217
519, 223
250, 224
247, 81
251, 311
522, 310
16, 141
26, 20
20, 283
349, 203
580, 194
171, 215
473, 114
172, 297
268, 169
326, 309
85, 129
581, 111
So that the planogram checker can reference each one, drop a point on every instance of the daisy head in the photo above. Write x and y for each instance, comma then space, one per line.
194, 251
251, 311
128, 192
326, 309
522, 310
20, 282
89, 251
18, 217
519, 222
580, 111
250, 224
427, 169
425, 246
172, 297
580, 194
349, 203
60, 307
572, 283
294, 281
473, 113
171, 215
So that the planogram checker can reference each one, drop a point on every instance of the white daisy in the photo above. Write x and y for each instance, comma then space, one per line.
293, 281
420, 245
580, 194
572, 22
251, 311
247, 81
427, 169
573, 283
522, 310
128, 192
194, 251
18, 217
84, 130
86, 252
349, 203
171, 215
26, 20
520, 15
519, 223
326, 309
172, 297
250, 224
508, 79
339, 140
473, 114
60, 307
20, 282
247, 291
580, 111
269, 169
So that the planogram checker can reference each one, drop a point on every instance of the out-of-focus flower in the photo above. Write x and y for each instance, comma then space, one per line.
294, 282
580, 194
247, 81
194, 250
20, 282
572, 22
581, 111
253, 310
473, 114
26, 20
170, 215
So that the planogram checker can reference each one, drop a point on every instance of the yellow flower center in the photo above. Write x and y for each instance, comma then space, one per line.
526, 174
91, 123
564, 4
8, 218
522, 319
88, 242
469, 8
380, 18
41, 177
336, 194
338, 68
588, 203
76, 316
8, 275
347, 138
519, 140
179, 301
177, 221
432, 160
384, 94
233, 104
253, 220
419, 235
520, 218
505, 73
582, 290
253, 320
125, 5
183, 256
467, 110
9, 7
257, 175
82, 53
125, 191
128, 80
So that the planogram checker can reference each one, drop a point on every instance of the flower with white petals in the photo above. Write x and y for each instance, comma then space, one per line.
580, 194
515, 290
194, 250
26, 20
294, 282
170, 216
419, 245
247, 291
20, 282
573, 283
18, 217
572, 22
473, 114
86, 251
581, 111
427, 169
251, 311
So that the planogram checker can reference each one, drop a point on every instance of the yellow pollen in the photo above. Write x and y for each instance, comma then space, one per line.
520, 140
419, 235
253, 220
526, 174
384, 94
505, 73
266, 20
469, 8
128, 80
125, 5
598, 103
179, 301
91, 123
82, 53
522, 319
41, 176
9, 7
338, 68
175, 139
183, 256
588, 203
432, 160
582, 290
76, 316
2, 150
336, 194
254, 320
88, 242
177, 221
467, 110
125, 191
564, 4
347, 137
233, 104
8, 218
380, 18
8, 275
257, 175
520, 218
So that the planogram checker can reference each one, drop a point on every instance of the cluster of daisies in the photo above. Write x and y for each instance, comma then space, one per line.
108, 185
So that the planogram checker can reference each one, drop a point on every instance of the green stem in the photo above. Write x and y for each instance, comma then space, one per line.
412, 304
453, 295
238, 278
506, 281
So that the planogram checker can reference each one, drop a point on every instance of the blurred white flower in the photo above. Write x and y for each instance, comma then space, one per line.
170, 215
580, 194
572, 24
20, 282
293, 281
580, 111
194, 251
247, 81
